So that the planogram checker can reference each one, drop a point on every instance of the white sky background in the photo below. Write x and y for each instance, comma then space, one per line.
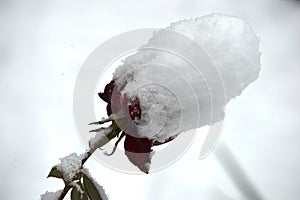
42, 47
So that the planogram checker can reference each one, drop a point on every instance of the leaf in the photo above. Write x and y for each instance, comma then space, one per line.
75, 194
90, 188
55, 173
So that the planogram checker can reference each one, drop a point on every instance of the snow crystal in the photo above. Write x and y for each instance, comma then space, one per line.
51, 195
70, 166
186, 74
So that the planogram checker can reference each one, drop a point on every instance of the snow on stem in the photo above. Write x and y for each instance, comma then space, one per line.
71, 167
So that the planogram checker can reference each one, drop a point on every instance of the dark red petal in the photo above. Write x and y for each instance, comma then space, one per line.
137, 145
141, 160
108, 109
138, 151
134, 108
103, 96
111, 97
106, 95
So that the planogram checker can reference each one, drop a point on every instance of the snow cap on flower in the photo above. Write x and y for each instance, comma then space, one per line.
186, 74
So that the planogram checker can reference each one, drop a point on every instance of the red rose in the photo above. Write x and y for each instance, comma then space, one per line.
138, 150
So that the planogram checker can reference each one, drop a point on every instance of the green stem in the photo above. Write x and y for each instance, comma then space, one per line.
64, 192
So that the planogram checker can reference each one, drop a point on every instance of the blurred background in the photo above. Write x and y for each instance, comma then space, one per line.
42, 47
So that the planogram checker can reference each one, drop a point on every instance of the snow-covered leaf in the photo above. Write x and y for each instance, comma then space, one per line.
51, 195
91, 189
69, 167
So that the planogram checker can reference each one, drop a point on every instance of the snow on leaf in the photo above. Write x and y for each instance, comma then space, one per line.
69, 166
100, 138
51, 195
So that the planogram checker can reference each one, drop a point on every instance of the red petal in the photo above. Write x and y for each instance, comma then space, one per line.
106, 95
138, 151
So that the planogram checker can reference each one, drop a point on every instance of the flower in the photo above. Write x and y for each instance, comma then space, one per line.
137, 149
180, 80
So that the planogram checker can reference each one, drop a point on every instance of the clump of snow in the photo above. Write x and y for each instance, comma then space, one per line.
70, 166
99, 139
99, 188
186, 74
51, 195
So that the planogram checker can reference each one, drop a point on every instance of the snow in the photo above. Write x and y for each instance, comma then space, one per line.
70, 166
186, 74
51, 195
99, 139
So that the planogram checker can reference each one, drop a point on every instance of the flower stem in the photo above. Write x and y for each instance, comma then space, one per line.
64, 192
112, 134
